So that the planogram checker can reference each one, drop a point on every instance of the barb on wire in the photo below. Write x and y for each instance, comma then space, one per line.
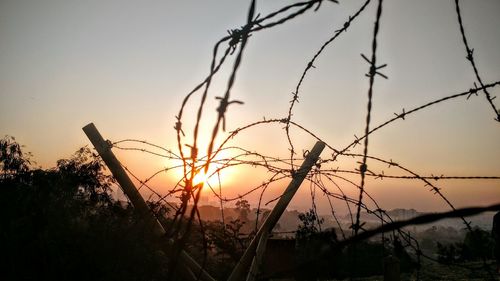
374, 70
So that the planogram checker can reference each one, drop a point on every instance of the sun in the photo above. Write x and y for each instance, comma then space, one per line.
201, 178
212, 178
216, 175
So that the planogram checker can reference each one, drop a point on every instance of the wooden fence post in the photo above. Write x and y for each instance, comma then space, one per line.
297, 179
257, 260
191, 267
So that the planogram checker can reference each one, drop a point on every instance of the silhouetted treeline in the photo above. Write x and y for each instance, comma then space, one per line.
62, 224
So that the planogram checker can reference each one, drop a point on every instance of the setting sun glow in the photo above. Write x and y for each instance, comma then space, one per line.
201, 178
215, 176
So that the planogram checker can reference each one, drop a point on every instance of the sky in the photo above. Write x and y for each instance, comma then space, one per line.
127, 65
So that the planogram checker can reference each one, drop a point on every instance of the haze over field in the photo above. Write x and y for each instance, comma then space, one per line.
127, 65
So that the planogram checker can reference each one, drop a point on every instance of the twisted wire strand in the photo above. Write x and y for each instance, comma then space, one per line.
310, 65
403, 115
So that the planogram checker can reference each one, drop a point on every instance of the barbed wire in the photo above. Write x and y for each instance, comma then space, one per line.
324, 179
470, 58
404, 113
371, 75
310, 65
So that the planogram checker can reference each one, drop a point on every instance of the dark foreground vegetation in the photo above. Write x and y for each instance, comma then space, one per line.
63, 224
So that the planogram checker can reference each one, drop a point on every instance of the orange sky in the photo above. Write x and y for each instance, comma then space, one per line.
126, 66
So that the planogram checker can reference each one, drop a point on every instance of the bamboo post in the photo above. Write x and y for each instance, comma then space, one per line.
297, 179
255, 268
104, 149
